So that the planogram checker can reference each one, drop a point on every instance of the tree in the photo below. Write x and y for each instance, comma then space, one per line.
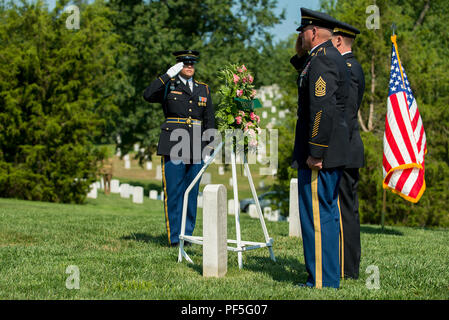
57, 90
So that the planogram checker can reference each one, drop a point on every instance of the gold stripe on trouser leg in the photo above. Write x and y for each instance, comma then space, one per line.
167, 222
317, 228
342, 244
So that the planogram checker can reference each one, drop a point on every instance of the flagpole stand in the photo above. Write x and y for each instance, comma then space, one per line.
384, 206
240, 245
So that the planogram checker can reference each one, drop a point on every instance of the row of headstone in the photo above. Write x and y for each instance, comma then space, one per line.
272, 215
148, 166
268, 171
125, 190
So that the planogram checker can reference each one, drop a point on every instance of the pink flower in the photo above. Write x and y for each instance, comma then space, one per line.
236, 78
248, 124
238, 120
251, 133
253, 94
239, 93
244, 80
258, 119
243, 67
253, 143
251, 78
252, 115
242, 113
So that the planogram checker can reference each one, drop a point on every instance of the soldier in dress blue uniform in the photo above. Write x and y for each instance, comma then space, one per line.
343, 39
321, 144
189, 112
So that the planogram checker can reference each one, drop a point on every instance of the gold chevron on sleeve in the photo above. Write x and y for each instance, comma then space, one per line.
316, 124
320, 87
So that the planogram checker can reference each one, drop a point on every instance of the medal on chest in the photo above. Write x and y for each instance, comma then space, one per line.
303, 74
202, 101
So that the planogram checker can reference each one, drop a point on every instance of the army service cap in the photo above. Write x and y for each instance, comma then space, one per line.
316, 18
187, 56
345, 29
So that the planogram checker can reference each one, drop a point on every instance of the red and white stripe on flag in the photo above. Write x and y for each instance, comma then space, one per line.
404, 137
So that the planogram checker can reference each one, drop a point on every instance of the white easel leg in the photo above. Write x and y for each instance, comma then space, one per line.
259, 211
236, 210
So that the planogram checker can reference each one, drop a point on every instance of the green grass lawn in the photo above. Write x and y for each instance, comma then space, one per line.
120, 249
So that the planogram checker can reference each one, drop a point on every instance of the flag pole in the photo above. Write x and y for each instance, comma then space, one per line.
384, 200
384, 208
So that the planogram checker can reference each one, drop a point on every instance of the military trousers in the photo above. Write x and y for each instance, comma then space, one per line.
320, 225
176, 177
350, 224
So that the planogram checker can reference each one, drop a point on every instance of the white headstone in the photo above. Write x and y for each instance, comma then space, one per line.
102, 183
294, 224
162, 195
153, 194
267, 212
149, 165
93, 191
206, 178
138, 194
127, 164
273, 109
261, 184
281, 114
115, 186
264, 115
199, 201
274, 216
118, 153
215, 253
124, 190
252, 211
221, 170
136, 147
231, 209
230, 181
159, 172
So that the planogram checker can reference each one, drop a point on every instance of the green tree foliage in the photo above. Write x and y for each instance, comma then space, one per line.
422, 40
223, 31
57, 93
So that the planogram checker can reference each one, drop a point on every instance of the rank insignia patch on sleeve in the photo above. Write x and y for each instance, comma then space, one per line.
320, 87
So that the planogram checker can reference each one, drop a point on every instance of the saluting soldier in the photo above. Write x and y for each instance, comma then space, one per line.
189, 112
321, 145
343, 39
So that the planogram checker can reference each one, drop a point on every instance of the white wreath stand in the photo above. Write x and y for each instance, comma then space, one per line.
241, 246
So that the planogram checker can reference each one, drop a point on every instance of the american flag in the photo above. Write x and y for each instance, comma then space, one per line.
404, 138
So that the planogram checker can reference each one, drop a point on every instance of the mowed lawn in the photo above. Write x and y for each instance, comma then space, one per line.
121, 252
